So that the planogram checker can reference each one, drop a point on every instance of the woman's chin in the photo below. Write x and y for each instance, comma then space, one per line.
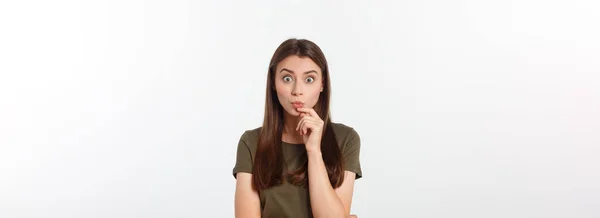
293, 113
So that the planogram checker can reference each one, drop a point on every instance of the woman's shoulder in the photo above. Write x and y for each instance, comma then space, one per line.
344, 132
250, 136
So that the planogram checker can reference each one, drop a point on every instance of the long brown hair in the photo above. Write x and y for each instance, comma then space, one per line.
268, 168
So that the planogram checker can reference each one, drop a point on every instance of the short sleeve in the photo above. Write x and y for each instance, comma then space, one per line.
351, 153
243, 161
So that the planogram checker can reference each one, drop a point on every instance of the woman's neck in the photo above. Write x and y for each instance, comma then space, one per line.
290, 134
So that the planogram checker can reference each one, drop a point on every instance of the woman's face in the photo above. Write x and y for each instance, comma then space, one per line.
298, 82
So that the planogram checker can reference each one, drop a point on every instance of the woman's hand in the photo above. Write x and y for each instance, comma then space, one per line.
311, 129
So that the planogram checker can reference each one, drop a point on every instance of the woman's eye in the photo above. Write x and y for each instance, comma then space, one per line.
310, 79
287, 79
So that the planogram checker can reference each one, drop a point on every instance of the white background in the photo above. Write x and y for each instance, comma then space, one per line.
465, 108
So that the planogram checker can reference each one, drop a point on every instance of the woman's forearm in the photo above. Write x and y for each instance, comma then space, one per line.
323, 199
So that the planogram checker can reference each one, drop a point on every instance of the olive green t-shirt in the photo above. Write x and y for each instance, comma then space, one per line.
288, 200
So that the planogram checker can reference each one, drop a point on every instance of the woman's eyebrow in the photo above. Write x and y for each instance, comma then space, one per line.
307, 72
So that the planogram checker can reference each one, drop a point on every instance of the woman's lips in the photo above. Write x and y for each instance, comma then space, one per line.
297, 104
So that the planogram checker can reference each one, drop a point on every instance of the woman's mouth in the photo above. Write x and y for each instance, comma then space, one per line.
297, 104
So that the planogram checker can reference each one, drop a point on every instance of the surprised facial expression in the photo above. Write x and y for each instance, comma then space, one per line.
298, 82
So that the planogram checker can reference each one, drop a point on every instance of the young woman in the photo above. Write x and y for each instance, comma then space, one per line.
299, 163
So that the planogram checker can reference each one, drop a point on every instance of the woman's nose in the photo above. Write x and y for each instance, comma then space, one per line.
297, 90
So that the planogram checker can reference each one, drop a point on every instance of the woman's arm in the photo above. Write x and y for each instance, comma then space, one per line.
247, 201
324, 200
